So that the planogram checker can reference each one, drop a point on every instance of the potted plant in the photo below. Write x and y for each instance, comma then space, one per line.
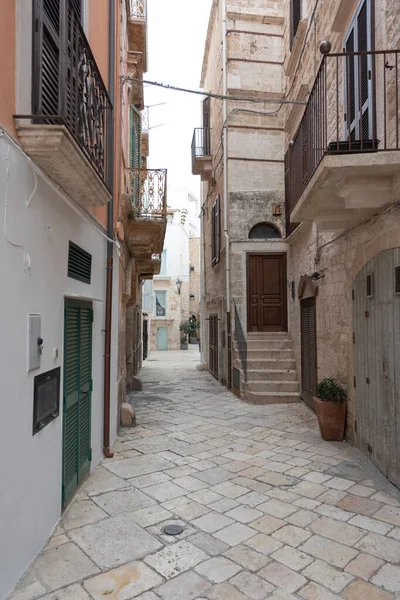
330, 406
185, 329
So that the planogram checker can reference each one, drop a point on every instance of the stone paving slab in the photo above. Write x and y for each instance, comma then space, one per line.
269, 510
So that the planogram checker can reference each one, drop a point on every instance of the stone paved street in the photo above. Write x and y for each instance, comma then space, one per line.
268, 509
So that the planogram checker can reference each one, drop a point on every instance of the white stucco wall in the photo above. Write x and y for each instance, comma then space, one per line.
31, 467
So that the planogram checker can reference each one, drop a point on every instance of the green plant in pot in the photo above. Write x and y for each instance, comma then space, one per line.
330, 405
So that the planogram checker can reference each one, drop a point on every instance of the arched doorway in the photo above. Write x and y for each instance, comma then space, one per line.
376, 318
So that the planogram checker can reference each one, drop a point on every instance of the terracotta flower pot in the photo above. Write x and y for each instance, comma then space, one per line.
331, 419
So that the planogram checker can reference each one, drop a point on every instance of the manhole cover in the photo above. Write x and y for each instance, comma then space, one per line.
173, 529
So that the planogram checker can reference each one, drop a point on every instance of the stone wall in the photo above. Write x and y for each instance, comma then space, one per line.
194, 276
177, 311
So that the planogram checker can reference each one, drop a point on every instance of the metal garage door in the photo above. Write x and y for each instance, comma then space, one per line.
308, 350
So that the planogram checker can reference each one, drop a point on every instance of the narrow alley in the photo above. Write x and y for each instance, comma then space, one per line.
268, 509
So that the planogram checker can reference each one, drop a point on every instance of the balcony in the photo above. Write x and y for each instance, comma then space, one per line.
137, 11
69, 133
135, 71
201, 153
343, 163
147, 221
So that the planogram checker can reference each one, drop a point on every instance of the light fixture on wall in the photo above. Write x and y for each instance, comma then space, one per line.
277, 210
178, 286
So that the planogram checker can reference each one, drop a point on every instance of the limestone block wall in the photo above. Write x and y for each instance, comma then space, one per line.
177, 311
339, 260
194, 276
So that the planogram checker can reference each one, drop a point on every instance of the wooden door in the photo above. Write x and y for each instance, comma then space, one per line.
308, 350
162, 338
77, 451
213, 345
376, 318
266, 293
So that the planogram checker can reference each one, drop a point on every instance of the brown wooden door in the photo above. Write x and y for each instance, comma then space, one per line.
213, 345
308, 350
266, 285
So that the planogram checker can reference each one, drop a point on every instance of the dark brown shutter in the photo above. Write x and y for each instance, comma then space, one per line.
295, 18
206, 113
308, 350
213, 345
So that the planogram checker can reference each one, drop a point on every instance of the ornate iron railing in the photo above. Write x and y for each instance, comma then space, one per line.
138, 9
353, 108
200, 143
240, 340
67, 87
148, 193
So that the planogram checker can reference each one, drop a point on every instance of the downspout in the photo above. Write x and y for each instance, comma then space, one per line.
226, 232
110, 232
202, 280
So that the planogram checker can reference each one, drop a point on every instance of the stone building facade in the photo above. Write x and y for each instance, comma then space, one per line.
194, 277
322, 169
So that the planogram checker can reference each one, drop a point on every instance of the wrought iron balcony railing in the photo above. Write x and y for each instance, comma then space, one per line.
353, 108
67, 85
148, 193
138, 9
200, 144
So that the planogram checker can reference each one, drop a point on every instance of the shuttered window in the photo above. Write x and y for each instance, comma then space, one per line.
213, 345
216, 232
77, 395
295, 18
308, 350
79, 263
358, 101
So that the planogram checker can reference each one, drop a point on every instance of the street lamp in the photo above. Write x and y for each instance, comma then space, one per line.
178, 285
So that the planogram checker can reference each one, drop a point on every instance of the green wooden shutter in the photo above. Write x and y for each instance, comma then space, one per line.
77, 395
135, 139
135, 145
85, 385
71, 400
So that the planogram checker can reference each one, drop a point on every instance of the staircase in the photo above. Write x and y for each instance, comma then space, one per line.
271, 369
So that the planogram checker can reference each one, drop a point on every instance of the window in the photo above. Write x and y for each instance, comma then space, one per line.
397, 280
79, 263
295, 18
163, 270
264, 231
191, 296
370, 286
46, 399
161, 304
216, 232
191, 268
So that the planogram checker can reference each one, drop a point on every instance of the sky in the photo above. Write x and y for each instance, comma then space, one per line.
176, 37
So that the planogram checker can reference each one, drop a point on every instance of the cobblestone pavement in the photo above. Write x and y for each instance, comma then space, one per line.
268, 509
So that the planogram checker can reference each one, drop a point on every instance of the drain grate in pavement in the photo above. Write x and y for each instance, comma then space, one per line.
173, 529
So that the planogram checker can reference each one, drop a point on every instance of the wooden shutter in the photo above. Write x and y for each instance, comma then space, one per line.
77, 395
206, 113
213, 345
46, 70
216, 232
85, 389
308, 350
135, 142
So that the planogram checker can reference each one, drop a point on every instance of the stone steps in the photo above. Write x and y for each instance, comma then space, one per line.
271, 369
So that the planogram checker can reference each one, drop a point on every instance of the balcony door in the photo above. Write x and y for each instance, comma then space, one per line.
358, 68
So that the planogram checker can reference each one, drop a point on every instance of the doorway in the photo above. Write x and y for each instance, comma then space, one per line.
213, 345
266, 293
309, 375
77, 400
162, 338
359, 76
376, 318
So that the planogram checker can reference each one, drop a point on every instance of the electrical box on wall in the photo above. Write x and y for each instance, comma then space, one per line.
35, 341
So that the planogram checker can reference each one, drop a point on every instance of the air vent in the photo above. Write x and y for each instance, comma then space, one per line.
79, 263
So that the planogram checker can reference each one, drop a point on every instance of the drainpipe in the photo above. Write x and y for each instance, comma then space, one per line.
202, 280
110, 233
226, 232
